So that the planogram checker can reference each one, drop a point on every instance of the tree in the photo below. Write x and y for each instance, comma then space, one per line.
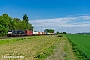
49, 30
57, 32
4, 23
16, 24
30, 27
9, 23
25, 18
64, 33
27, 25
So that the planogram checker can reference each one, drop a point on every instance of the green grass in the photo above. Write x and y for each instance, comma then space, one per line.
9, 40
12, 40
81, 45
33, 47
37, 48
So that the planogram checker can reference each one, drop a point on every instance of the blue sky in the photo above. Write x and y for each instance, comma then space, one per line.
61, 15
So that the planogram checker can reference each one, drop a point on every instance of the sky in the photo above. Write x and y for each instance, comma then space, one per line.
71, 16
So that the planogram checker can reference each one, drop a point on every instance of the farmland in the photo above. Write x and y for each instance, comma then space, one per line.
37, 48
81, 45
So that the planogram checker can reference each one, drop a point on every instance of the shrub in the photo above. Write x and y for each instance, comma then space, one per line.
60, 35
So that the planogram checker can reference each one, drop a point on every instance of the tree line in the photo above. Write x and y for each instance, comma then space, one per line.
49, 30
60, 32
9, 23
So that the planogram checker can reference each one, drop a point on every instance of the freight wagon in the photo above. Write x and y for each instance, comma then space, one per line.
38, 33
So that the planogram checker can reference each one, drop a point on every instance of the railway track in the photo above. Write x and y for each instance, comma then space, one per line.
2, 38
5, 37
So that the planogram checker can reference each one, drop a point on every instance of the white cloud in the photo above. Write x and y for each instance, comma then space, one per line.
85, 17
63, 23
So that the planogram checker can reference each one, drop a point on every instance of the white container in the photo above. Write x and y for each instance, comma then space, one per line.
40, 32
35, 32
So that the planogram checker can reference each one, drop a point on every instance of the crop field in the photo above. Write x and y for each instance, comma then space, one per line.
36, 48
81, 45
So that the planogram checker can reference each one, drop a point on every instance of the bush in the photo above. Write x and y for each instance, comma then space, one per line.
60, 35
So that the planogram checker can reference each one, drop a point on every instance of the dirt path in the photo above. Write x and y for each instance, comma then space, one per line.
63, 51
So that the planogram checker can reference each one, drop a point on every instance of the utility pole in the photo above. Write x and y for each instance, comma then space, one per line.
41, 28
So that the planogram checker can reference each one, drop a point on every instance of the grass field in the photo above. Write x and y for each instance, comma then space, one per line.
81, 45
37, 48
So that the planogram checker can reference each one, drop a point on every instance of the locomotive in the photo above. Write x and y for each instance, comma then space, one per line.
19, 33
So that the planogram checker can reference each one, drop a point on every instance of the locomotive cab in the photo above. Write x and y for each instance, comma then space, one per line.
11, 33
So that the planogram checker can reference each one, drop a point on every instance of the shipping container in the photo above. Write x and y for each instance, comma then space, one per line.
38, 33
43, 33
35, 33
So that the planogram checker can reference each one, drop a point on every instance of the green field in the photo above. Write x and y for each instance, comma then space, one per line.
46, 47
49, 47
81, 45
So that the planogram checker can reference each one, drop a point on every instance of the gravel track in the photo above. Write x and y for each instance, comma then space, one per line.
63, 51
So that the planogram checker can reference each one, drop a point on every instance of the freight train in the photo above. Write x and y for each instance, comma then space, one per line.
13, 33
